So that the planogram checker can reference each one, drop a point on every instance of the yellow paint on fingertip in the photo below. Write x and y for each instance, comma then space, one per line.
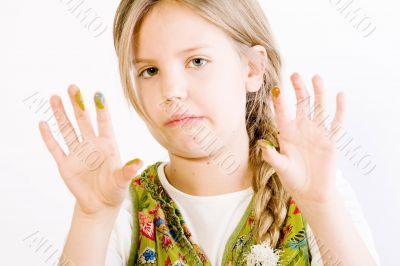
133, 161
79, 100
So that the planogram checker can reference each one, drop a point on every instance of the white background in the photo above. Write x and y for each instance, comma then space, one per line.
44, 48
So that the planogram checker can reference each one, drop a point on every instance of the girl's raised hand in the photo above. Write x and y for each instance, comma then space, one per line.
307, 159
92, 169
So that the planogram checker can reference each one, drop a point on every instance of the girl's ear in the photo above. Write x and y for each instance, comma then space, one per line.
256, 63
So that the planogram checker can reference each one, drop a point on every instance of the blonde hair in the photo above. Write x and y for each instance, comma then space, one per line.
245, 22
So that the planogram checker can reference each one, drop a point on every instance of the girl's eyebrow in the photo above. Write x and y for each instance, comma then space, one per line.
187, 50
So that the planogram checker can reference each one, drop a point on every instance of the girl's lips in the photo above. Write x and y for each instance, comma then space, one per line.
182, 121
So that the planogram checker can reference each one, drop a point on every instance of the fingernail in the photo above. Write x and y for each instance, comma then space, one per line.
137, 160
276, 91
265, 143
79, 100
99, 100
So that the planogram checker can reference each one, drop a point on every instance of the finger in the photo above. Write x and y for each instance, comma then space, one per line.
51, 144
103, 116
272, 156
339, 115
281, 109
64, 125
127, 173
302, 96
319, 102
81, 113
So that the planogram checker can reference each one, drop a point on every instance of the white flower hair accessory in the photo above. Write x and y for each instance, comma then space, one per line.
263, 255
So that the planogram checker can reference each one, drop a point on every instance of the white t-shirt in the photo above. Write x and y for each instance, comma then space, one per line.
201, 213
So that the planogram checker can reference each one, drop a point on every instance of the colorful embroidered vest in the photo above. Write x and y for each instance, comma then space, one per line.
161, 237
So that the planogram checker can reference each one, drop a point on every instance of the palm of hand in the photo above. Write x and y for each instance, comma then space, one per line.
307, 159
88, 172
92, 170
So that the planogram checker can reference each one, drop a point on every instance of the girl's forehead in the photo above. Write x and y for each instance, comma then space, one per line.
174, 28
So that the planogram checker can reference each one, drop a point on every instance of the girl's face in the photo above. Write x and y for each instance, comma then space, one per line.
182, 57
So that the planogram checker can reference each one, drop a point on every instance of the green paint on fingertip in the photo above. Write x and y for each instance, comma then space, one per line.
99, 100
265, 143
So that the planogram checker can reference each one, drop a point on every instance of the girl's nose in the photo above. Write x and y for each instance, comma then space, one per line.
173, 86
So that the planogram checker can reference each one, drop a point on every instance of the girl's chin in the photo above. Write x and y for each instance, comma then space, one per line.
188, 147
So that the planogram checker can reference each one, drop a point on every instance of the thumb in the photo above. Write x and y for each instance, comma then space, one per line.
128, 171
272, 156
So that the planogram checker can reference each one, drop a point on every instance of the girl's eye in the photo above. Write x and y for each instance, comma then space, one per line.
148, 70
153, 71
198, 61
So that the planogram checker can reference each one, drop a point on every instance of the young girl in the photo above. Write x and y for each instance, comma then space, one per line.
245, 184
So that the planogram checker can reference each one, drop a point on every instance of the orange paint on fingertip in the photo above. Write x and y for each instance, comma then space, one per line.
276, 91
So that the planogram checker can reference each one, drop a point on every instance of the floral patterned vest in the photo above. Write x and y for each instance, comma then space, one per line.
161, 237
